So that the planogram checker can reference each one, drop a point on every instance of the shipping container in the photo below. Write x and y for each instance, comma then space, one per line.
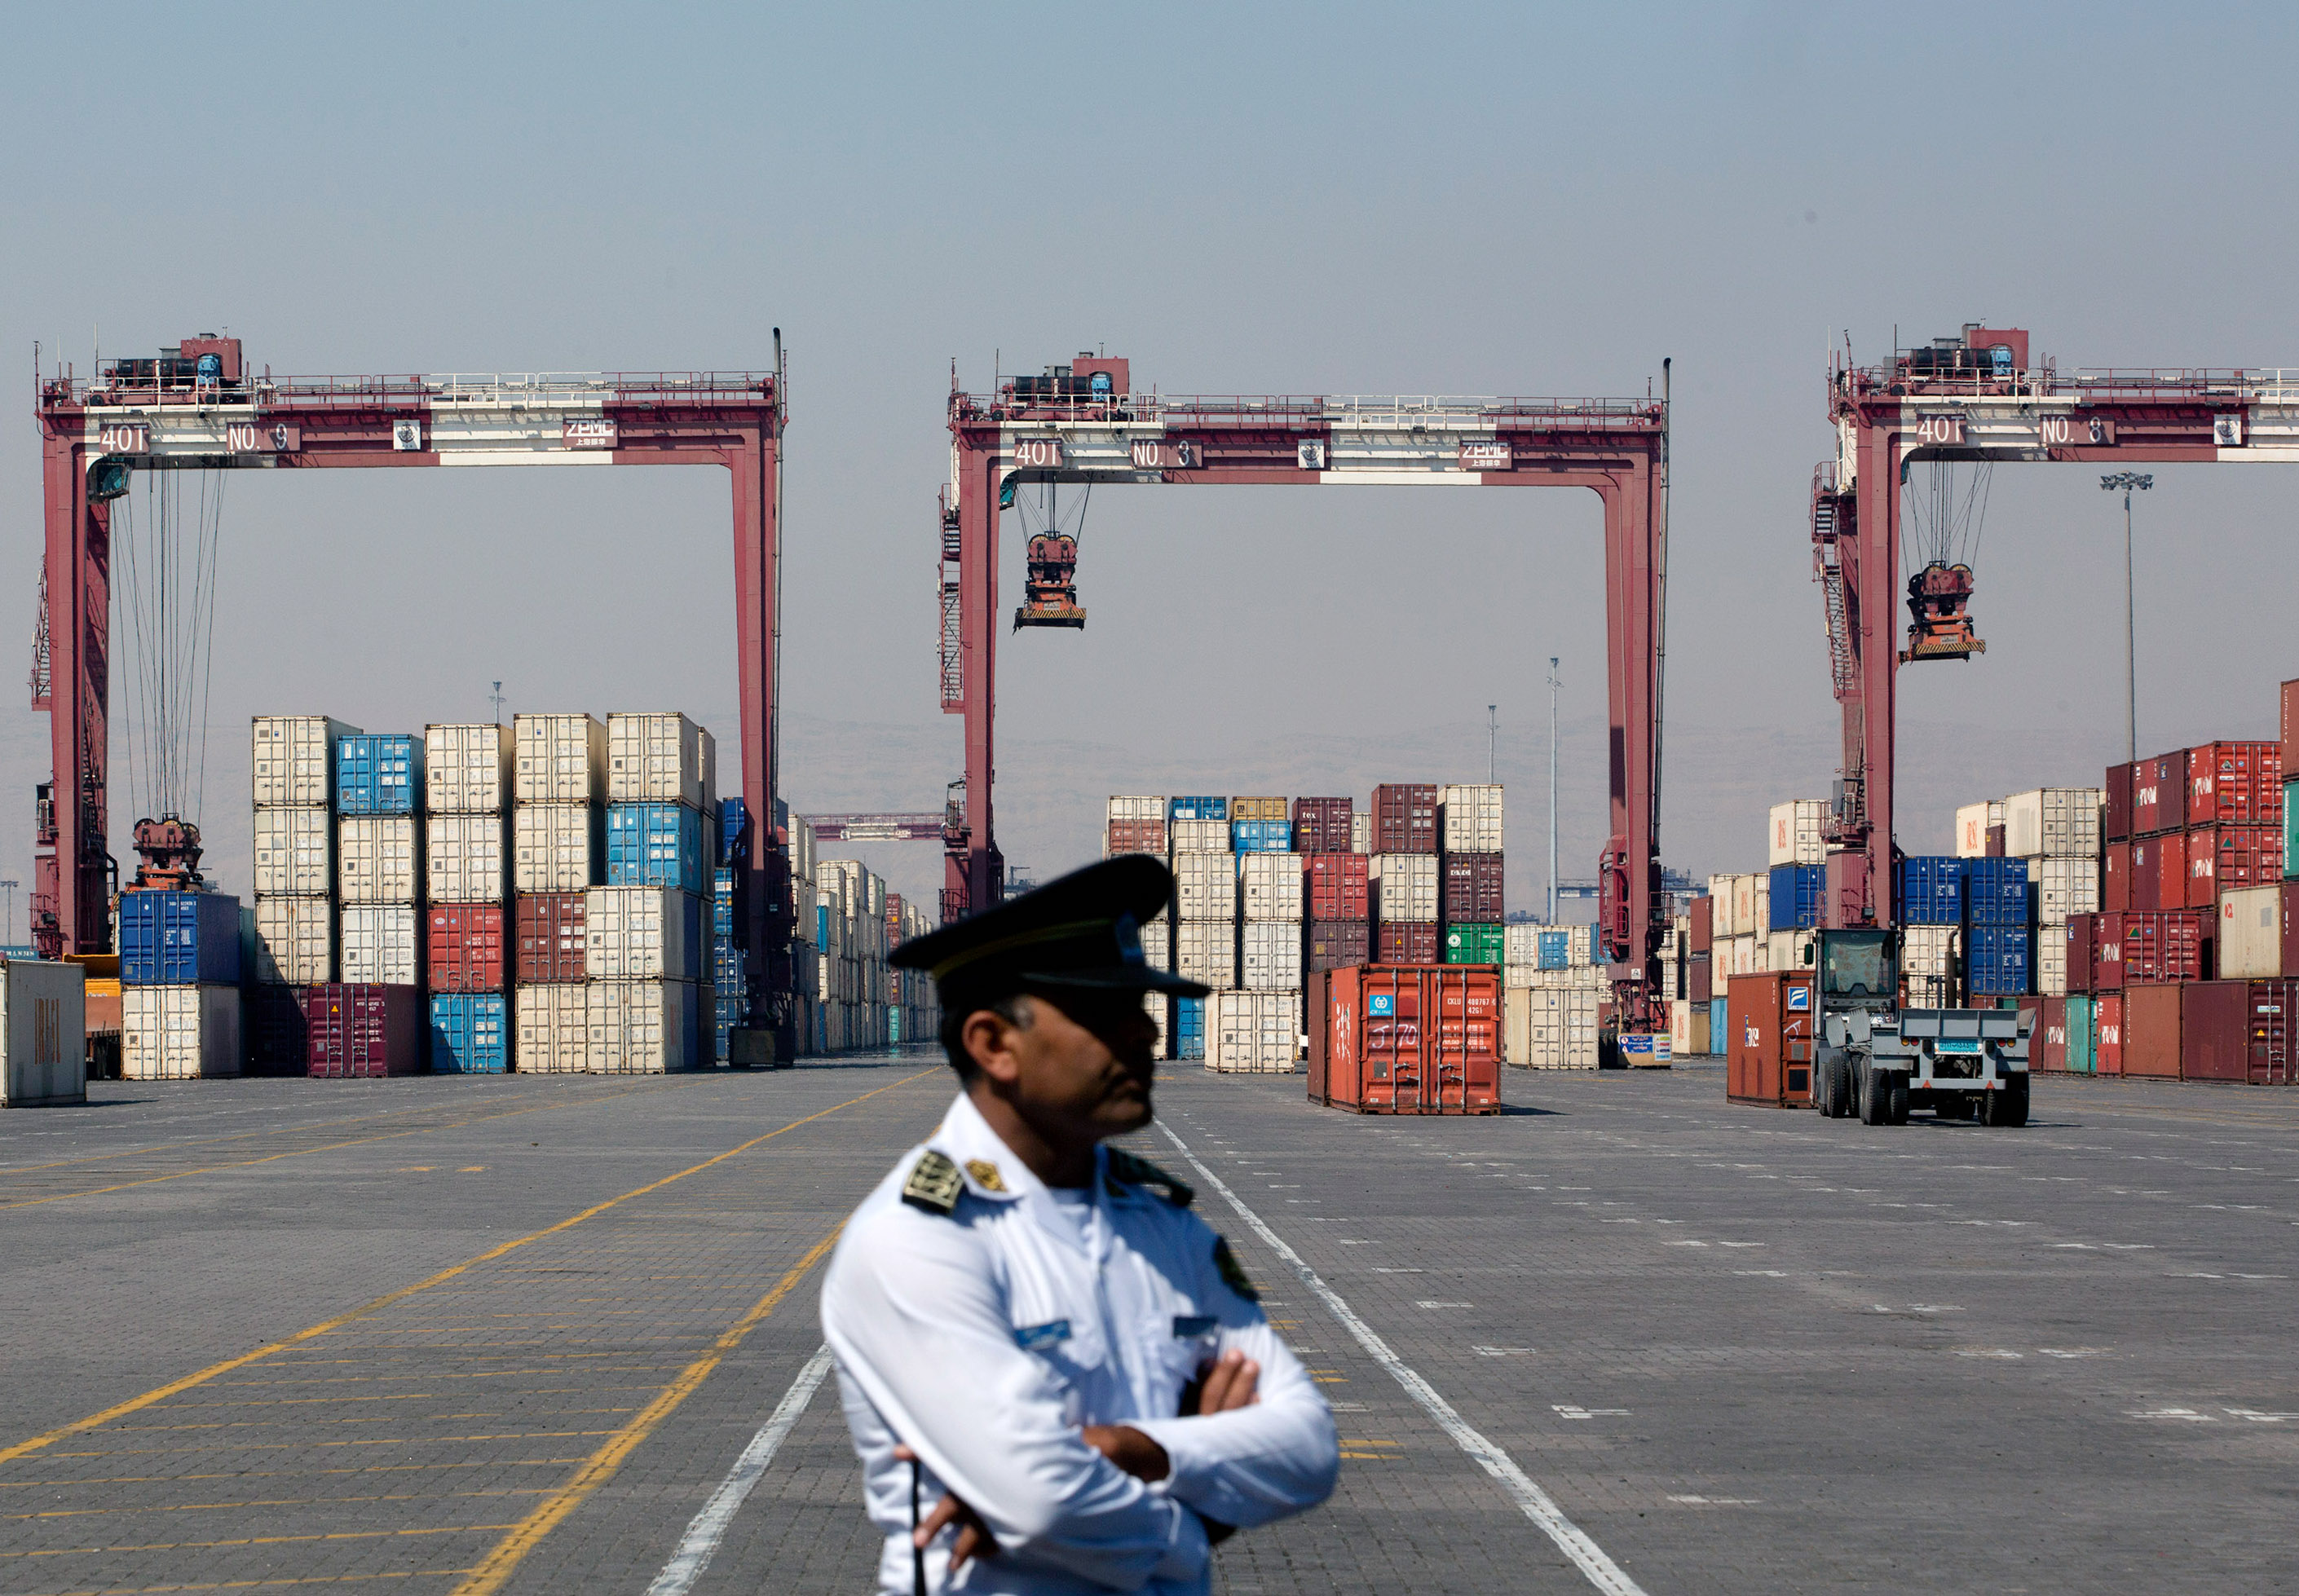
1791, 950
644, 1027
2116, 805
559, 759
2053, 823
2049, 1046
1973, 823
293, 759
179, 938
558, 848
1750, 899
1797, 891
1197, 837
1405, 942
2291, 933
2235, 783
2151, 1030
550, 940
1134, 837
1404, 819
657, 758
1931, 890
1404, 887
642, 933
1206, 951
467, 857
1794, 836
733, 822
382, 944
1134, 807
1198, 809
1474, 945
1205, 885
1269, 887
2049, 977
1340, 887
1770, 1021
2064, 887
1998, 960
1995, 892
1552, 1028
43, 1033
2288, 749
1261, 836
1269, 956
467, 946
1703, 925
378, 858
1688, 1028
2082, 1018
1334, 944
294, 940
365, 1031
2236, 1030
2291, 828
2107, 1033
178, 1033
1405, 1039
552, 1025
1189, 1028
466, 769
1361, 832
2115, 875
471, 1033
2249, 945
1252, 1032
1321, 826
1470, 887
1700, 979
278, 1039
2159, 795
657, 845
2222, 857
379, 773
1469, 818
295, 852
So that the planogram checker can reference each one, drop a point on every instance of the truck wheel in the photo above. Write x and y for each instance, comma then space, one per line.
1896, 1099
2008, 1106
1838, 1079
1874, 1096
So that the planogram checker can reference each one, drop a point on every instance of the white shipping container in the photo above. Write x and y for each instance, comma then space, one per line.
1360, 831
1253, 1032
1744, 922
2051, 968
383, 943
1748, 955
1469, 818
1551, 1028
2065, 888
1197, 837
1204, 884
1271, 959
178, 1033
1720, 907
378, 858
465, 768
1795, 836
1928, 952
295, 851
1403, 889
1157, 1005
2250, 934
43, 1033
1269, 888
1971, 831
1136, 808
556, 847
1158, 944
1789, 950
1520, 949
466, 857
294, 758
1760, 904
2054, 823
552, 1029
295, 940
559, 759
1206, 951
1930, 992
641, 1027
655, 758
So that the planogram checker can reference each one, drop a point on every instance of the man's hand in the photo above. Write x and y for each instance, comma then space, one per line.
1129, 1449
1224, 1384
974, 1536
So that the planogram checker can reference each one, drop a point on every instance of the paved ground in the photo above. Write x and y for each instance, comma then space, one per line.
511, 1334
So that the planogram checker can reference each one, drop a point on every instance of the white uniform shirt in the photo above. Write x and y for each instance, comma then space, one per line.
984, 1337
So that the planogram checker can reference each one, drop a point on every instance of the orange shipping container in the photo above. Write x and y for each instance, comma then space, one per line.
2150, 1031
1770, 1019
1405, 1038
2107, 1046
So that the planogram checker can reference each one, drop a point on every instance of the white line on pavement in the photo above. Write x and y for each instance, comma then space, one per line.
1589, 1557
700, 1543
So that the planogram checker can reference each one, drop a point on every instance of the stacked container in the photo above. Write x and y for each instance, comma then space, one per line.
379, 875
2059, 831
1203, 916
294, 789
1135, 824
179, 973
468, 924
850, 919
1470, 908
559, 784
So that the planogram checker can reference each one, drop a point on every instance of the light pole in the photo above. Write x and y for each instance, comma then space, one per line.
1552, 790
2125, 482
1492, 742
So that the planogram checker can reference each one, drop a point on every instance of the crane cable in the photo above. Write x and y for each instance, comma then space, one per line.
1940, 526
169, 592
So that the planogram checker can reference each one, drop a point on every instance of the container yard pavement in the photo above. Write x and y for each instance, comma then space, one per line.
1727, 1348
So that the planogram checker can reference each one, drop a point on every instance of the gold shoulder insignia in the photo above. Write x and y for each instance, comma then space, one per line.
1140, 1171
986, 1174
1232, 1272
933, 1184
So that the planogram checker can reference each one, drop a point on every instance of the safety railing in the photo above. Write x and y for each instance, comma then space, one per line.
1348, 410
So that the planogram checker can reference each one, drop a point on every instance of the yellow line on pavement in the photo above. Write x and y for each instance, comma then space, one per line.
137, 1404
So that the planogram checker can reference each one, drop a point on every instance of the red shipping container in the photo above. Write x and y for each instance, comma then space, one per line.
2288, 753
2150, 1031
1405, 1039
2115, 877
2234, 783
364, 1031
1994, 844
549, 931
1768, 1053
1338, 886
2107, 1043
2171, 946
2169, 857
1404, 818
2051, 1035
2081, 934
2236, 1030
1134, 837
2223, 856
1406, 944
2115, 818
1321, 825
1699, 976
2290, 932
1472, 888
1335, 944
2159, 795
278, 1039
1704, 924
466, 948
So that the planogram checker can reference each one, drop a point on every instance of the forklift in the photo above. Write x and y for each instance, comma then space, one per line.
1883, 1062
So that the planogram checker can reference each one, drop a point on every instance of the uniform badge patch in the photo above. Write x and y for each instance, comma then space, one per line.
986, 1174
1232, 1272
1140, 1171
1188, 1326
1030, 1338
933, 1185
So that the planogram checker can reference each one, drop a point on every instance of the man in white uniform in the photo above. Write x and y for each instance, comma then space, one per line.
1057, 1377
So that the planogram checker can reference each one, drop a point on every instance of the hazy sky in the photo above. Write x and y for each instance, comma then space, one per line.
1242, 199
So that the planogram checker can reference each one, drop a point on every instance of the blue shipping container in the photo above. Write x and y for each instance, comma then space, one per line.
1555, 949
821, 926
1198, 808
722, 903
1996, 893
1718, 1041
731, 1014
1931, 890
655, 844
470, 1034
730, 968
1798, 892
1189, 1027
1262, 836
1997, 958
733, 815
179, 938
379, 773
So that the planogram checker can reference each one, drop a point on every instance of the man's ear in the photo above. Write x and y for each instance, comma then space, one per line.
988, 1037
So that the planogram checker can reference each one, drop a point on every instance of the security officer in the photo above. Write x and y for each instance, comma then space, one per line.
1057, 1377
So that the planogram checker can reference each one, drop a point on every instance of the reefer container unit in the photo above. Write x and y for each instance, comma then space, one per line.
657, 758
1404, 887
2249, 946
294, 940
466, 769
1197, 837
2159, 795
656, 845
1797, 893
2234, 784
1261, 836
378, 858
642, 933
178, 1033
471, 1033
468, 947
293, 759
1403, 819
2236, 1031
295, 852
1469, 818
1323, 825
1405, 942
1341, 887
467, 857
1472, 890
1270, 957
43, 1033
383, 945
557, 759
1252, 1033
365, 1031
1995, 892
1795, 837
551, 945
379, 773
2053, 823
1199, 809
1269, 885
552, 1029
179, 938
1334, 944
644, 1027
1931, 890
557, 848
1475, 945
1409, 1040
1770, 1020
2151, 1030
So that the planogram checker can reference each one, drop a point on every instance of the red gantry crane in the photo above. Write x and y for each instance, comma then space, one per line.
1085, 423
1977, 398
197, 406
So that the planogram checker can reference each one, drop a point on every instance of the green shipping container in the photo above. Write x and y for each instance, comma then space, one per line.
2083, 1051
2290, 831
1474, 943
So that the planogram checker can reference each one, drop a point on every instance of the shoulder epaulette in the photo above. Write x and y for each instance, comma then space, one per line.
1232, 1273
933, 1185
1140, 1171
